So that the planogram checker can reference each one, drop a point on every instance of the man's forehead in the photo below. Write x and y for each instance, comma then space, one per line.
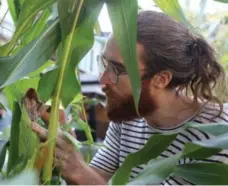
111, 50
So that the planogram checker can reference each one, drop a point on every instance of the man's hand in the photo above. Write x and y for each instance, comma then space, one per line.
70, 162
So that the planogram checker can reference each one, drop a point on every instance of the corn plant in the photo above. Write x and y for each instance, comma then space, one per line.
65, 28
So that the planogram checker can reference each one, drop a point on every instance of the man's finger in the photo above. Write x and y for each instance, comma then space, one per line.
43, 133
61, 143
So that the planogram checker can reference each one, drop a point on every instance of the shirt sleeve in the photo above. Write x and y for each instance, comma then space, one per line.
107, 158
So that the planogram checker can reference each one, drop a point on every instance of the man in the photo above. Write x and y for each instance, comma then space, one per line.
173, 63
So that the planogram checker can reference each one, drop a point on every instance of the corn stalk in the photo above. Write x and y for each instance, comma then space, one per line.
47, 174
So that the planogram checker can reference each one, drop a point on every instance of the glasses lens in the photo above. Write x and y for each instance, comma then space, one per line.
101, 66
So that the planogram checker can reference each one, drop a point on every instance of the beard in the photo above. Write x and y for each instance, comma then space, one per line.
122, 108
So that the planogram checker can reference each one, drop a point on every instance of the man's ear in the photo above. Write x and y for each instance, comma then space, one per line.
162, 79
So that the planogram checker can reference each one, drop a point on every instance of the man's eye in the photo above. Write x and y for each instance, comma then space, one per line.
120, 69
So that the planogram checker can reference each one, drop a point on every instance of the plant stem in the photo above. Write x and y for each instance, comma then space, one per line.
53, 125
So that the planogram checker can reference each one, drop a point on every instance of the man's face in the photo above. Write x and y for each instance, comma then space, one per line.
120, 104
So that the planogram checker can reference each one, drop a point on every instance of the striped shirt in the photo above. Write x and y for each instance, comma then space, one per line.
129, 137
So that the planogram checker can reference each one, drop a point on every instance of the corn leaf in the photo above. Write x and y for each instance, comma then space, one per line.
123, 15
204, 173
29, 140
74, 46
14, 67
37, 28
222, 1
156, 171
212, 128
14, 7
173, 9
16, 91
26, 18
14, 138
3, 154
154, 147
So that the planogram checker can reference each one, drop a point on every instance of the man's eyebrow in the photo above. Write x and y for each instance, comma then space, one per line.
118, 64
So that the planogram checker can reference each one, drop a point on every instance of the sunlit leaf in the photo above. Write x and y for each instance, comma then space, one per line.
82, 41
77, 98
14, 7
25, 20
173, 9
16, 91
123, 15
74, 46
14, 67
37, 28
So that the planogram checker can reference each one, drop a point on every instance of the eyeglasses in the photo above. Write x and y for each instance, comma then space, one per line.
114, 69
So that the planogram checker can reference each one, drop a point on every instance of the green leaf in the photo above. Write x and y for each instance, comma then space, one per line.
14, 7
25, 20
212, 128
222, 1
123, 15
29, 140
97, 28
5, 133
14, 67
173, 9
154, 147
14, 138
199, 152
204, 173
3, 154
82, 41
156, 171
42, 69
77, 144
74, 46
23, 142
17, 90
85, 126
47, 84
37, 28
77, 98
2, 106
220, 142
28, 177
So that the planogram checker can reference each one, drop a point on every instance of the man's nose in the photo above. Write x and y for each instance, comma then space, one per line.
105, 78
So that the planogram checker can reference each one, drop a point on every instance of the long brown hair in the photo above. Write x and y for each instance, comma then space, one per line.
170, 45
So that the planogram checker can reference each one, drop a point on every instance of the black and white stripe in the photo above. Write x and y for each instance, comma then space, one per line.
130, 136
